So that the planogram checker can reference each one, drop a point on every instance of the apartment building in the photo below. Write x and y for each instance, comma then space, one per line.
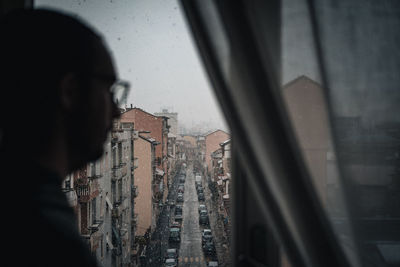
146, 184
191, 141
212, 141
172, 155
172, 120
122, 181
151, 126
201, 147
226, 177
101, 194
308, 113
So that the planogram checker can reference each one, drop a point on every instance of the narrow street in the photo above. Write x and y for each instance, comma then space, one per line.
191, 253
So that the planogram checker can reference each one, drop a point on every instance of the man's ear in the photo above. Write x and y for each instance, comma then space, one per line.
69, 92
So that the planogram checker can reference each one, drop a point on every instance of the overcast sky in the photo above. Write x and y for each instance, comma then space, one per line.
154, 51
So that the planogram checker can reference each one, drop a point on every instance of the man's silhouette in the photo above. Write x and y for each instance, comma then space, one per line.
56, 109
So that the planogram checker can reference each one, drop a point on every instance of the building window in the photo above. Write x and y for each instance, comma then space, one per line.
102, 247
93, 211
101, 207
119, 153
114, 156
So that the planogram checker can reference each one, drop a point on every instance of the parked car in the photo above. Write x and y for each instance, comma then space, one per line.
206, 232
176, 224
200, 190
203, 218
178, 217
179, 198
200, 197
174, 235
198, 184
206, 236
202, 207
178, 209
198, 178
212, 264
170, 263
181, 188
171, 203
209, 248
172, 253
182, 179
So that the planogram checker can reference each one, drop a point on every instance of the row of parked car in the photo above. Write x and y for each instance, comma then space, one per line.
203, 213
207, 241
172, 253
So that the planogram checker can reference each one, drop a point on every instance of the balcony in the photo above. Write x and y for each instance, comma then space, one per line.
135, 220
116, 174
117, 201
116, 212
83, 192
116, 166
93, 177
124, 170
95, 226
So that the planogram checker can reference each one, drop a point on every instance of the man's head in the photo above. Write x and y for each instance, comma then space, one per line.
56, 75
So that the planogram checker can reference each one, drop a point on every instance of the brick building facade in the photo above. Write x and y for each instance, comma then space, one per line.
156, 127
212, 143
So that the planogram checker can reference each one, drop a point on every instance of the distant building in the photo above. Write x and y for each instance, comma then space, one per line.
172, 120
172, 155
191, 141
221, 162
216, 164
201, 147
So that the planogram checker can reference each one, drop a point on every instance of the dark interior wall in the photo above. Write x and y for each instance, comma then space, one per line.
7, 5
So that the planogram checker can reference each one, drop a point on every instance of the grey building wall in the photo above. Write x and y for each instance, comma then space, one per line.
115, 203
103, 168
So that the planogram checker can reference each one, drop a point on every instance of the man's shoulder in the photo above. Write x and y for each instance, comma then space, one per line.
42, 226
47, 237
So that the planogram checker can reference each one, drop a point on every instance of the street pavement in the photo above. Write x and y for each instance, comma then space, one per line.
191, 253
190, 250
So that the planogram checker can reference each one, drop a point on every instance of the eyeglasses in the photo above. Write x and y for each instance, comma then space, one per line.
119, 90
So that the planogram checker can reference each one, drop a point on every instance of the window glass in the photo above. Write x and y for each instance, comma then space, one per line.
177, 132
304, 95
362, 63
353, 151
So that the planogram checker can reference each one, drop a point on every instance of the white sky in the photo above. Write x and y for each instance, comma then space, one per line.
154, 51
